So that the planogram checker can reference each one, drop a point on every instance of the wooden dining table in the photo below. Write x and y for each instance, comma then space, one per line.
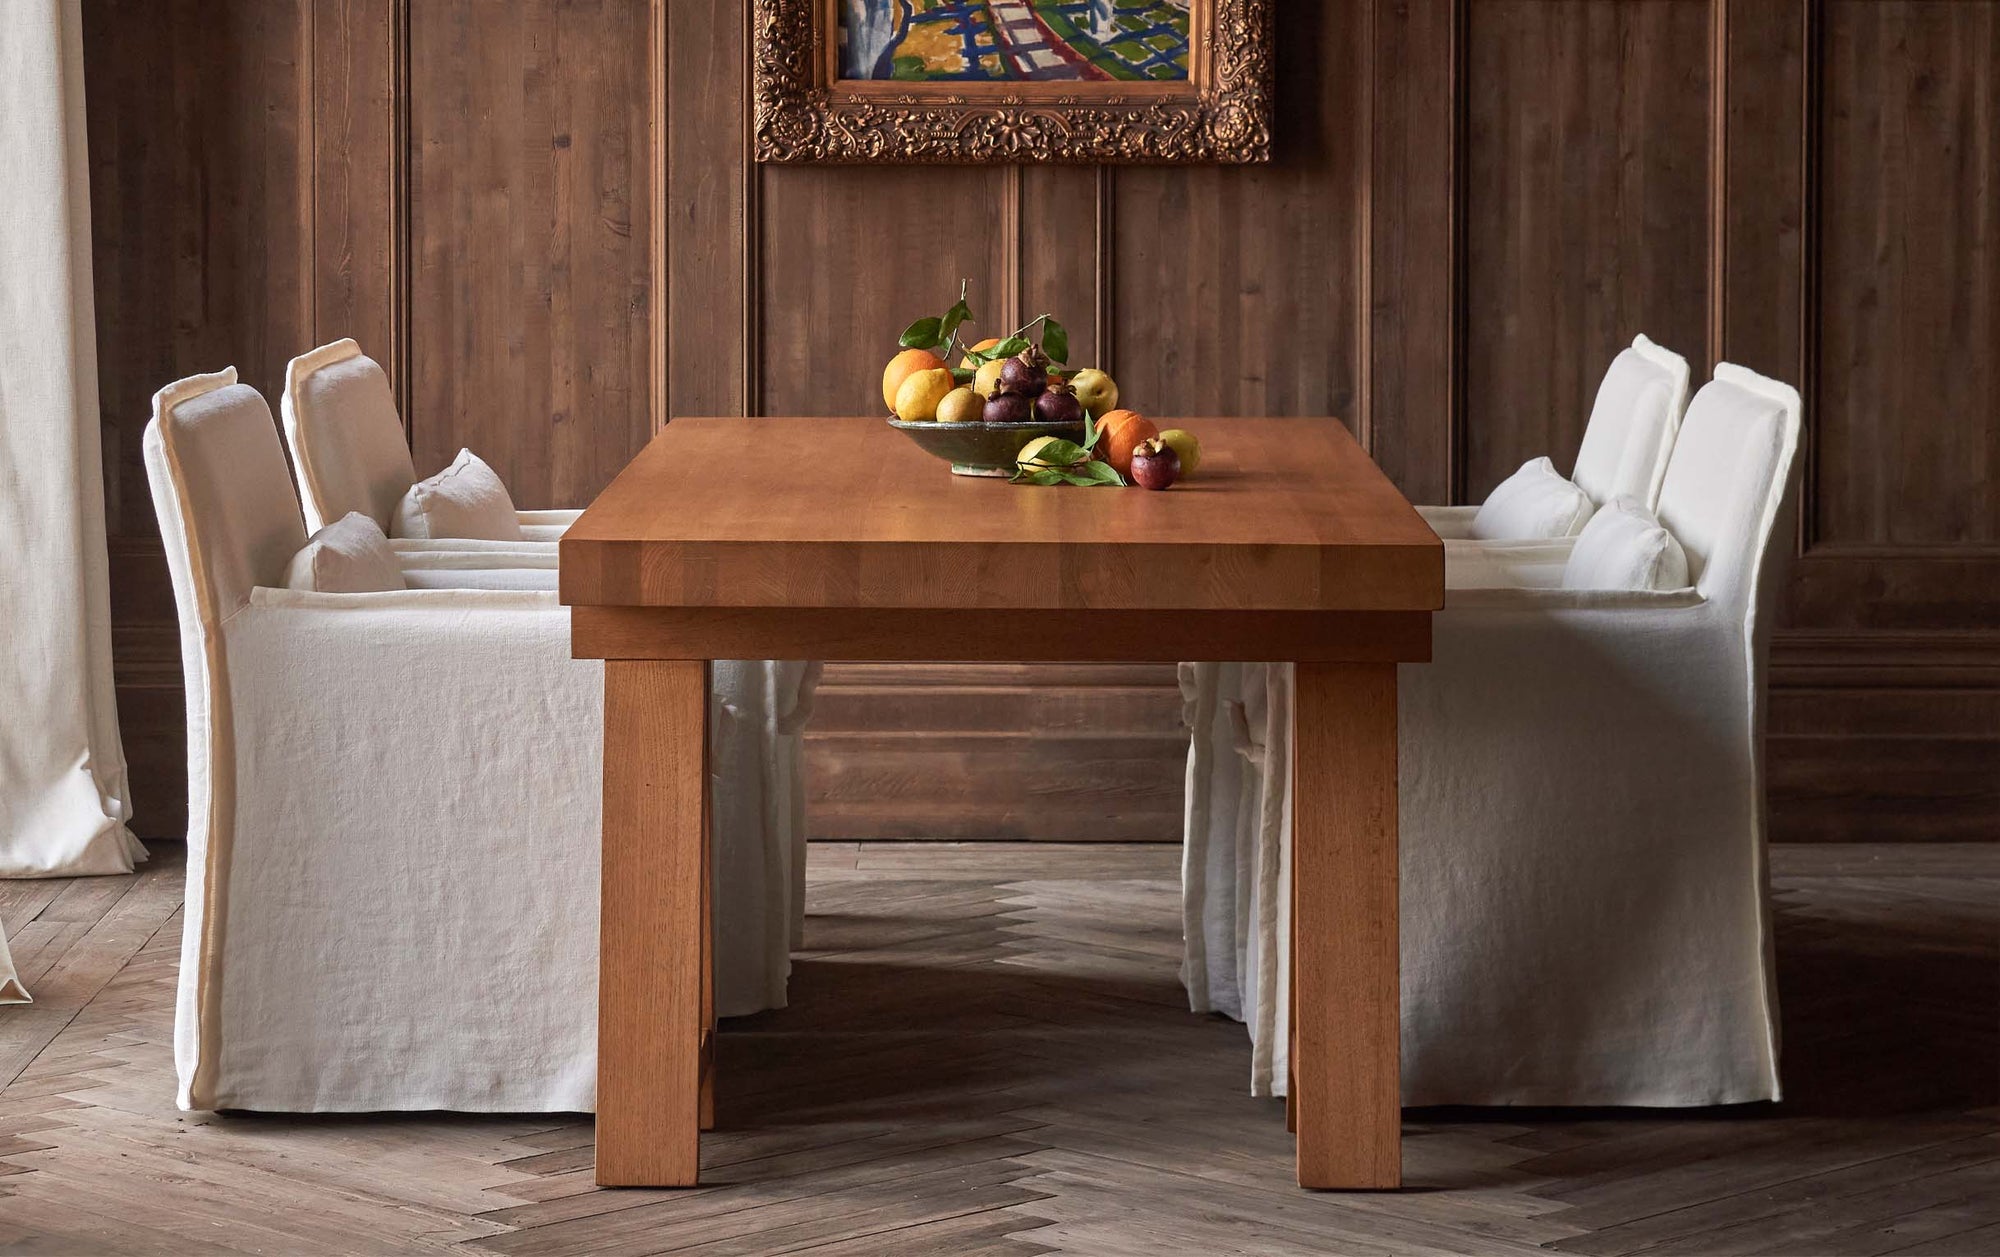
837, 539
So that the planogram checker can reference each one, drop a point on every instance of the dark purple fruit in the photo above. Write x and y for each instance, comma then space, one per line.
1023, 376
1007, 408
1059, 406
1155, 465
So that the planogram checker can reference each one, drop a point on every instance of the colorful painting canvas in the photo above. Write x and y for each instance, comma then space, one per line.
1014, 40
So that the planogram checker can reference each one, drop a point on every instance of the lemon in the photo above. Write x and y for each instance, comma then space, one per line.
918, 397
961, 405
988, 376
902, 367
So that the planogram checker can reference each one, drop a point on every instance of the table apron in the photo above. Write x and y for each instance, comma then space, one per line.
1019, 635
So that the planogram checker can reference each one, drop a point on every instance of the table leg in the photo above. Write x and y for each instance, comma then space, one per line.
1347, 1001
650, 1021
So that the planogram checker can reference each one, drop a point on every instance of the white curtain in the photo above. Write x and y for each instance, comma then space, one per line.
63, 797
11, 990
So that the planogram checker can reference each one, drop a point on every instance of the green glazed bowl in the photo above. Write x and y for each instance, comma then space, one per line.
982, 449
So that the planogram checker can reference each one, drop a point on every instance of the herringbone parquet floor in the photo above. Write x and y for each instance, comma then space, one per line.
988, 1052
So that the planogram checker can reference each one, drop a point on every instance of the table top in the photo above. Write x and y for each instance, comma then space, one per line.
1284, 514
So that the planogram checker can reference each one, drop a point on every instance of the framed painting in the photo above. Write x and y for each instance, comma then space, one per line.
861, 81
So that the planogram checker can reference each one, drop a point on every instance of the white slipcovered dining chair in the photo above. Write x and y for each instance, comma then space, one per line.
349, 448
1584, 911
351, 454
1625, 441
393, 815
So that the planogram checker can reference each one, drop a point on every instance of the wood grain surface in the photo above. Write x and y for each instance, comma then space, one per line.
1555, 280
652, 985
1346, 988
530, 240
1287, 514
942, 750
955, 1074
1469, 206
865, 559
979, 635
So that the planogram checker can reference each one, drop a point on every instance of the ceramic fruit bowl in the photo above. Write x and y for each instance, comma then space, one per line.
982, 449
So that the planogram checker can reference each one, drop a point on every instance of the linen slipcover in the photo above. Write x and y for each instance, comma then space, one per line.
394, 808
1632, 423
348, 443
363, 466
1626, 440
64, 799
336, 398
1584, 910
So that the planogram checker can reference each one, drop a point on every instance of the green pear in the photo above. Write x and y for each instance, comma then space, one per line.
1097, 391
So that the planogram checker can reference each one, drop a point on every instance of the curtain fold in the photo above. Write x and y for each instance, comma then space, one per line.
11, 990
63, 795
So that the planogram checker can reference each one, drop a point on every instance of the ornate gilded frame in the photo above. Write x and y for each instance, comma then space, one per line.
803, 112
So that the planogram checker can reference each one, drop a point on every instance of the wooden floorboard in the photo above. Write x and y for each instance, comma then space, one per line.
988, 1052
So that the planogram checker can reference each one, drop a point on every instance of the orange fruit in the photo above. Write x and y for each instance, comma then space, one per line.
902, 367
1122, 431
967, 364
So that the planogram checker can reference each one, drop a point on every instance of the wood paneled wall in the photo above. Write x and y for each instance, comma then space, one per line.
541, 217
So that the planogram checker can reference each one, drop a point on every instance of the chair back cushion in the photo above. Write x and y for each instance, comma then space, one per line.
1624, 546
1631, 430
465, 500
1533, 504
349, 556
1728, 476
223, 492
346, 437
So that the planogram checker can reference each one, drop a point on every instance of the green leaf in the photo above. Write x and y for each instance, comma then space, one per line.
1046, 476
1100, 473
1009, 347
1090, 432
961, 375
1060, 453
923, 334
1077, 478
1055, 341
952, 318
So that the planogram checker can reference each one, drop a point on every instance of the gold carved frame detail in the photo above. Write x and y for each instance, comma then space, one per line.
804, 112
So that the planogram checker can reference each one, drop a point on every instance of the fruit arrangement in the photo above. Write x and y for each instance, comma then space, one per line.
1023, 380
